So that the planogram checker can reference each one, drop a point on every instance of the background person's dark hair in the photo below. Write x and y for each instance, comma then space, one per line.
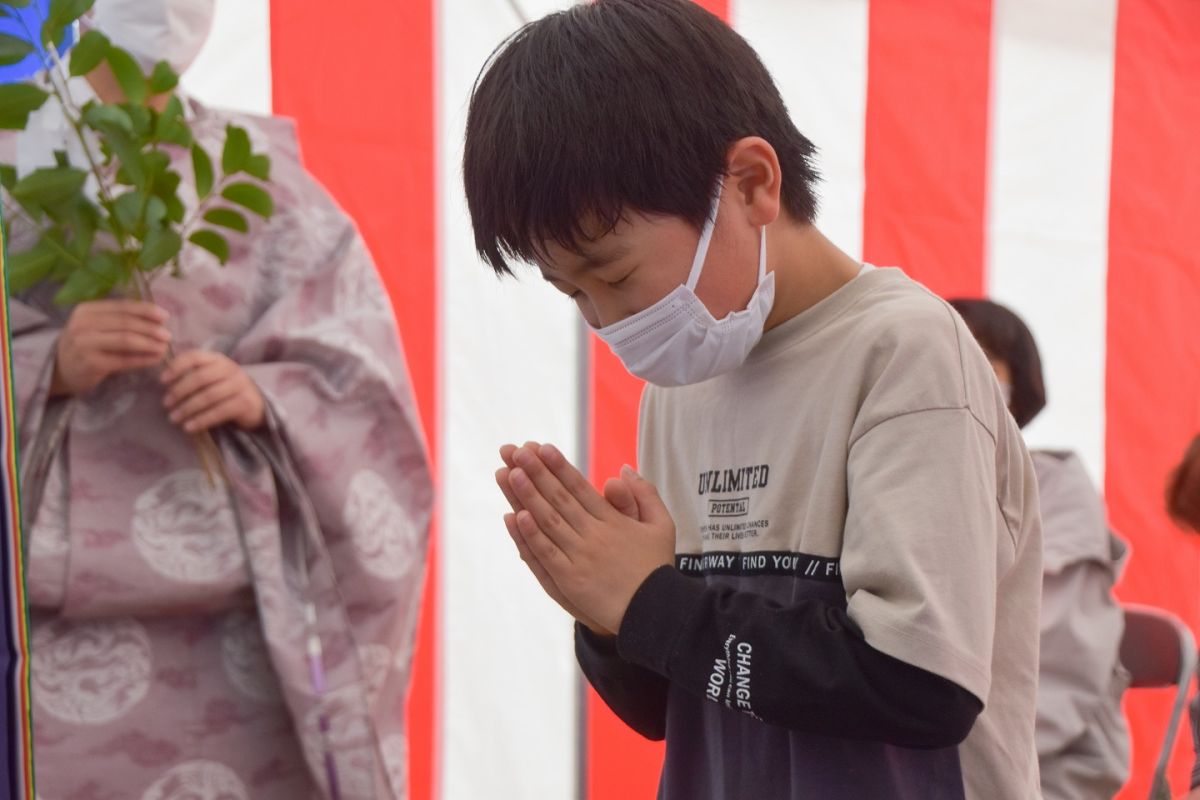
1004, 337
612, 106
1183, 489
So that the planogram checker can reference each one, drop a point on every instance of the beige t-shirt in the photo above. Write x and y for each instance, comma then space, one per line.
869, 432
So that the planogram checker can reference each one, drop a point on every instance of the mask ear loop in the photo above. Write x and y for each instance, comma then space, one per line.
705, 238
762, 253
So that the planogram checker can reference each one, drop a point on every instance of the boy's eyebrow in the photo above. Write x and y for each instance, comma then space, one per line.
604, 257
587, 261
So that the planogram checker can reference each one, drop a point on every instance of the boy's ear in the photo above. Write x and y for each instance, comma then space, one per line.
755, 180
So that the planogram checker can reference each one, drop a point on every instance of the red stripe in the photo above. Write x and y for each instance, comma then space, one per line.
1153, 371
361, 87
620, 764
928, 67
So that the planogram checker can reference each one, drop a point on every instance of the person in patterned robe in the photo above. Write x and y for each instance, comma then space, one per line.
172, 616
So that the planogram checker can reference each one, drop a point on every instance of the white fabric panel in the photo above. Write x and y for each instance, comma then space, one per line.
1048, 227
233, 70
817, 52
509, 354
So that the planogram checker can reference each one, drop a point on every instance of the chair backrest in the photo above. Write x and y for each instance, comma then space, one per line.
1158, 648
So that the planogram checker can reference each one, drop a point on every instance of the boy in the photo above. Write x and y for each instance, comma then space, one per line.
836, 593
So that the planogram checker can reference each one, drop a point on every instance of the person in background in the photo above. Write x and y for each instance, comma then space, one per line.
1082, 737
1183, 491
172, 617
1183, 504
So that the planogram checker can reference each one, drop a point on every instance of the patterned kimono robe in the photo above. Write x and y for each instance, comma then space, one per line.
170, 639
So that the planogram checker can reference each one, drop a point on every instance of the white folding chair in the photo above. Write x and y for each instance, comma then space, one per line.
1159, 650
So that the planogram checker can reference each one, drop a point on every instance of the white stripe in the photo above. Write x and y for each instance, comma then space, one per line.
509, 374
817, 52
1048, 224
233, 71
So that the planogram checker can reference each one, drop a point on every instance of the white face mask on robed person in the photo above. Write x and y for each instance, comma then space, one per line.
156, 30
677, 341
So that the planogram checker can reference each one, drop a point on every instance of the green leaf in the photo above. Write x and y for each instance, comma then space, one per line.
127, 210
163, 78
156, 212
49, 185
106, 118
24, 270
62, 13
258, 167
160, 246
135, 212
89, 52
128, 74
156, 164
228, 218
166, 184
133, 166
213, 242
143, 119
80, 218
175, 208
83, 285
106, 265
170, 125
202, 168
17, 102
237, 149
8, 176
13, 50
250, 196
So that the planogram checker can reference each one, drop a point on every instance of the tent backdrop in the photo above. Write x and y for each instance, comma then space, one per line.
1040, 153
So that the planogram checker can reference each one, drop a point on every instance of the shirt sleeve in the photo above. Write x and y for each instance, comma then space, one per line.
635, 694
802, 666
925, 541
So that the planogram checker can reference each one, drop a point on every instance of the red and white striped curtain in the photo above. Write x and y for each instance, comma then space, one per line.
1042, 153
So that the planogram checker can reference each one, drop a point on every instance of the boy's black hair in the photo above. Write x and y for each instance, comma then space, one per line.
1005, 337
616, 106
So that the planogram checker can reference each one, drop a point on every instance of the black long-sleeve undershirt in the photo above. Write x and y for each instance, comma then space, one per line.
804, 666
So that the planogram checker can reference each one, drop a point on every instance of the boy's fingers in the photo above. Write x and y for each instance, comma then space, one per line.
551, 489
506, 455
651, 507
542, 546
544, 516
543, 577
507, 450
531, 561
620, 496
573, 480
502, 481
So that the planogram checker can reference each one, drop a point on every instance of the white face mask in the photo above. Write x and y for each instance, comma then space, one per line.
677, 341
156, 30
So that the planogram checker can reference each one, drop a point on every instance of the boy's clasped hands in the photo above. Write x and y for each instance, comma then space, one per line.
589, 551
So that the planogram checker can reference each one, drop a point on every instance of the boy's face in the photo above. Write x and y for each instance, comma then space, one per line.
644, 258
